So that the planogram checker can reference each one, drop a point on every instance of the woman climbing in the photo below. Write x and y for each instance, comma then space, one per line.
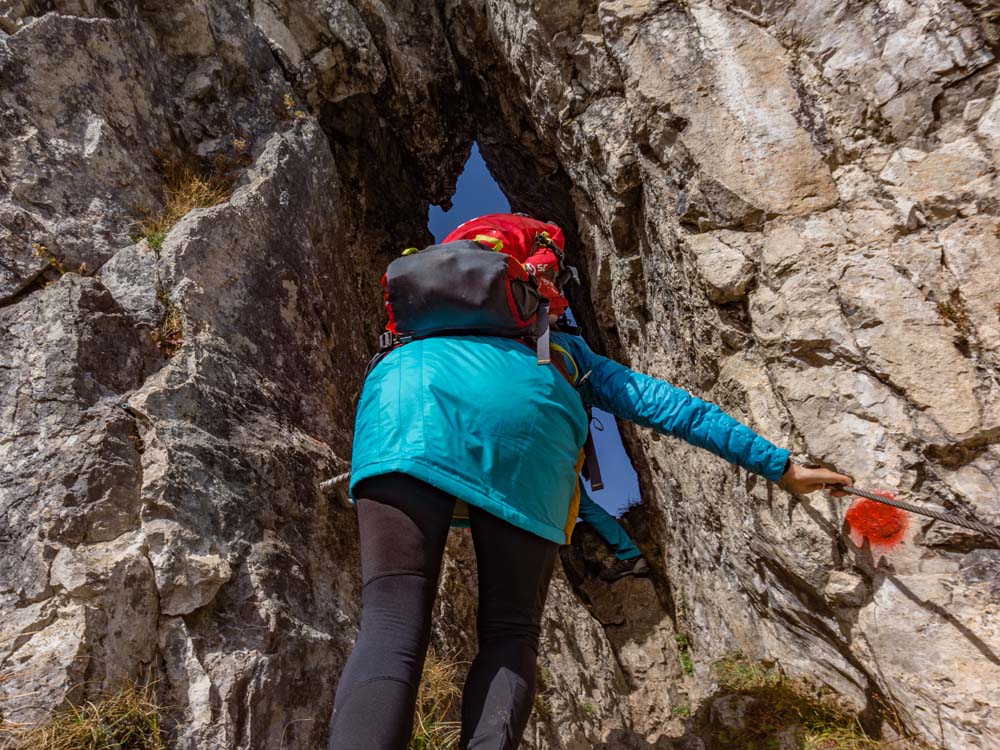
473, 424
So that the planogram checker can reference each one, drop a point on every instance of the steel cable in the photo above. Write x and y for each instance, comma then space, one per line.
331, 484
967, 523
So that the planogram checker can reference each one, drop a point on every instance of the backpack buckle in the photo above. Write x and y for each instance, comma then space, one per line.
542, 239
386, 341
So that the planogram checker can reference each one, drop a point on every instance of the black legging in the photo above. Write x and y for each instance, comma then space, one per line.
403, 526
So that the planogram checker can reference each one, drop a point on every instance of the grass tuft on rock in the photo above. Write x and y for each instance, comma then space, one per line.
128, 720
435, 723
543, 686
169, 336
954, 311
780, 702
187, 186
684, 649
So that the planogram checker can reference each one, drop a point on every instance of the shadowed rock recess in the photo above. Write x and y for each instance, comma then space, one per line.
787, 207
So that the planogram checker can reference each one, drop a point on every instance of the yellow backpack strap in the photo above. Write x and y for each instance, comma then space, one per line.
484, 239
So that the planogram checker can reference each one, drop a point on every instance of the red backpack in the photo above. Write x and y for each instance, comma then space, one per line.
539, 245
497, 275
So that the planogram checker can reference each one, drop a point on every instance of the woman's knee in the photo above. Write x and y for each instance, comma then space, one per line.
517, 632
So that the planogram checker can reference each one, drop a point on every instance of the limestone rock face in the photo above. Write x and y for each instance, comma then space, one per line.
161, 516
789, 208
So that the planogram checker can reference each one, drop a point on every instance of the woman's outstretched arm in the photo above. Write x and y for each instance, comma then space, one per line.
670, 410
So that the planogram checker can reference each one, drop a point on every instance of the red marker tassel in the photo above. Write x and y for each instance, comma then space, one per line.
882, 526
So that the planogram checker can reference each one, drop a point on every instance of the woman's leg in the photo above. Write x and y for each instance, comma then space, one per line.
515, 568
403, 524
608, 527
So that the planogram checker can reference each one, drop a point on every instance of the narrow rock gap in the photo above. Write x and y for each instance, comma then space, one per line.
633, 610
477, 194
35, 284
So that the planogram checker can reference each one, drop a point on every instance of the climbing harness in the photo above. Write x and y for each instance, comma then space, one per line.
967, 523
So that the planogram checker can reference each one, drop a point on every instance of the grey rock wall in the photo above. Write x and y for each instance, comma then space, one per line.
185, 538
789, 208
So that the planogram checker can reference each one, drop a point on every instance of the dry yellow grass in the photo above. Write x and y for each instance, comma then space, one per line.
782, 701
435, 723
128, 720
40, 251
186, 187
292, 109
169, 336
9, 730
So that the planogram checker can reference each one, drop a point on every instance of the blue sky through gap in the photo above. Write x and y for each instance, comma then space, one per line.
477, 193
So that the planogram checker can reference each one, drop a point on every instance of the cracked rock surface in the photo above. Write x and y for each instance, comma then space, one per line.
161, 516
787, 207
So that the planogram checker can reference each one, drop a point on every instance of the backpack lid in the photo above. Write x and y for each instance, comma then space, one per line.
516, 232
516, 236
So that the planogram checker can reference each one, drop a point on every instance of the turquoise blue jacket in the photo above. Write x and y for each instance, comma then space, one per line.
479, 418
